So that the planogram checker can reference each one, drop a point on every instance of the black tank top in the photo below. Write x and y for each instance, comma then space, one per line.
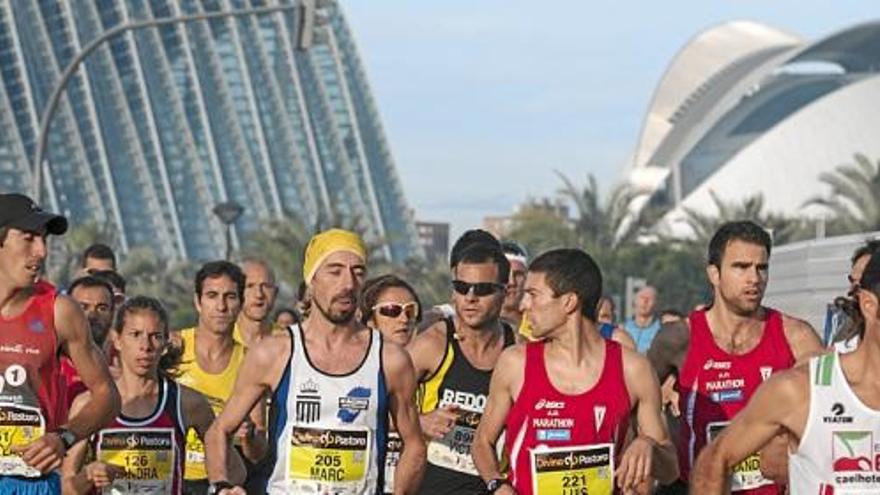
450, 468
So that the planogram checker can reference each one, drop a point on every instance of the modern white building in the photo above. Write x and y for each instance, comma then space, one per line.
745, 108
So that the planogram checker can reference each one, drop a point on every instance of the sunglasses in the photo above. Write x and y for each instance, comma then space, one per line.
393, 310
481, 289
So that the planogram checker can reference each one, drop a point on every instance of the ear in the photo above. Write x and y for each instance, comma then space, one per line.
114, 340
868, 303
570, 303
713, 274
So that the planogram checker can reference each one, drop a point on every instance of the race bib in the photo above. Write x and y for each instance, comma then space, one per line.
747, 474
194, 465
19, 425
393, 448
573, 470
328, 460
453, 451
147, 455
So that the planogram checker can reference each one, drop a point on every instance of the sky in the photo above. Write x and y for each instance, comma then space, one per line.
483, 101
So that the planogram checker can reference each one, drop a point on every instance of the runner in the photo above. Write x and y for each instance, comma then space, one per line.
334, 383
97, 258
644, 324
141, 451
260, 292
570, 395
454, 360
391, 306
724, 352
519, 259
95, 297
211, 362
36, 325
845, 337
830, 408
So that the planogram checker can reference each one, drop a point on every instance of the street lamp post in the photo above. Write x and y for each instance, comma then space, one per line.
228, 213
55, 98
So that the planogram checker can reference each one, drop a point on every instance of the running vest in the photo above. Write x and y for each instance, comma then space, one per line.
714, 386
560, 443
839, 453
450, 468
215, 387
150, 449
31, 400
327, 433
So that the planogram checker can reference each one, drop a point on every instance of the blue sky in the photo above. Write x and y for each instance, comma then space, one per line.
483, 100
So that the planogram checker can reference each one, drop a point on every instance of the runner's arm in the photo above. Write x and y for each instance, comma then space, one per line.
668, 349
652, 452
802, 338
76, 341
76, 477
401, 383
621, 337
252, 433
197, 414
508, 370
427, 351
259, 372
778, 404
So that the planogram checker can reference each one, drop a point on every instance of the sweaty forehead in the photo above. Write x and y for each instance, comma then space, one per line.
97, 294
738, 251
477, 272
344, 259
219, 283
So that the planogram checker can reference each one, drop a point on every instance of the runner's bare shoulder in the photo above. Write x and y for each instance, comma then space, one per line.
801, 336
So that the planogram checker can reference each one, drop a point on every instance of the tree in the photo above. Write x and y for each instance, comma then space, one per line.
147, 274
854, 200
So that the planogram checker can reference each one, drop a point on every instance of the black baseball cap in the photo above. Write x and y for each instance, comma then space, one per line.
20, 212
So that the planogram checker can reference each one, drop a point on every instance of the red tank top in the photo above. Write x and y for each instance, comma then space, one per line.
559, 443
715, 385
150, 449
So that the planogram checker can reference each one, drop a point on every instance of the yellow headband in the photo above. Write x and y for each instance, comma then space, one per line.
328, 242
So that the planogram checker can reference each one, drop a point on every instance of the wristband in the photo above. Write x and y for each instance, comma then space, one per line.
218, 486
493, 485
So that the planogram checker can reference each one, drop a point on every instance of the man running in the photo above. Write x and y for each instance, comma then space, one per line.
142, 450
334, 382
830, 409
724, 352
519, 259
570, 395
211, 362
454, 359
260, 292
36, 325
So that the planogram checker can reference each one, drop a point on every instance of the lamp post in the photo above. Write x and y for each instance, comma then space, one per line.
55, 98
228, 212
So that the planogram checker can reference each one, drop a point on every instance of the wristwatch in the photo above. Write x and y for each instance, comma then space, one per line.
492, 486
67, 437
216, 487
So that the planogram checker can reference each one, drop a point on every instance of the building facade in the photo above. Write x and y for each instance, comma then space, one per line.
159, 125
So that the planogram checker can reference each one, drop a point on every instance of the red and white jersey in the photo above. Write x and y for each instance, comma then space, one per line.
149, 449
715, 385
561, 443
31, 401
839, 452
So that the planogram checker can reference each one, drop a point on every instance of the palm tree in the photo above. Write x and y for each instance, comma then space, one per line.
854, 200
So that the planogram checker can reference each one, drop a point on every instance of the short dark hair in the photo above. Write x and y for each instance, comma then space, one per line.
90, 281
468, 239
867, 249
4, 231
100, 252
374, 288
745, 231
485, 253
572, 270
171, 358
111, 277
220, 268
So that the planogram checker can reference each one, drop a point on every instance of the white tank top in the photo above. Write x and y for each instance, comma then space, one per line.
840, 449
328, 432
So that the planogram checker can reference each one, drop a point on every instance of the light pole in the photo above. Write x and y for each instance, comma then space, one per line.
55, 98
228, 213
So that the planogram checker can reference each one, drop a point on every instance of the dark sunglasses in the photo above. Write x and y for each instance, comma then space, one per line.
393, 310
481, 289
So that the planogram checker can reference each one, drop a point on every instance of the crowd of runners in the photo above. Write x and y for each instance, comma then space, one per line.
523, 383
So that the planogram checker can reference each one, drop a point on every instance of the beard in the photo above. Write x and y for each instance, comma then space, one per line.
336, 317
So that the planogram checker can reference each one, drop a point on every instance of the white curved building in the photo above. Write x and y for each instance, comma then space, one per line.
745, 109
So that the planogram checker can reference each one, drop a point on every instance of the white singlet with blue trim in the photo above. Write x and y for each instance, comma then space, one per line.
328, 432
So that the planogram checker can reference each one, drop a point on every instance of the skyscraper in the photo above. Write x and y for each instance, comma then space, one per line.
160, 124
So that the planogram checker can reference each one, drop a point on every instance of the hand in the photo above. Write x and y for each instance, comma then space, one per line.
636, 463
245, 430
233, 491
505, 489
43, 454
774, 460
670, 396
439, 422
102, 475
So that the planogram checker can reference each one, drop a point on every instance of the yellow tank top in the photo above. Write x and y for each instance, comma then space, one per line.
216, 387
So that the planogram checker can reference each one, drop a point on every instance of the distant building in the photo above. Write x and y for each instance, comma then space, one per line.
159, 125
745, 108
501, 225
434, 239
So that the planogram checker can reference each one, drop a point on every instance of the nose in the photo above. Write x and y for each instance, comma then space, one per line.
40, 248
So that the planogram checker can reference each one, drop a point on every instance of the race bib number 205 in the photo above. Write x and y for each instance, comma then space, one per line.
329, 460
574, 470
